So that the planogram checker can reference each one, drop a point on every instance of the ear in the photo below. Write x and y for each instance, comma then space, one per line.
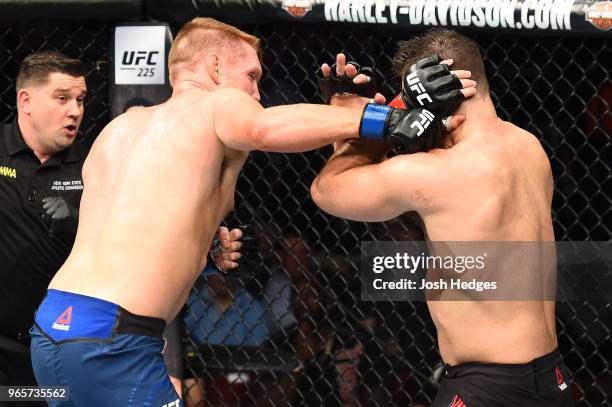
213, 66
24, 101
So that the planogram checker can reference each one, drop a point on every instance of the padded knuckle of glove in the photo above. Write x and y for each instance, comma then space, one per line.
430, 84
436, 71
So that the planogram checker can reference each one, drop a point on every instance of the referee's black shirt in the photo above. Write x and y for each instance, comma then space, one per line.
32, 249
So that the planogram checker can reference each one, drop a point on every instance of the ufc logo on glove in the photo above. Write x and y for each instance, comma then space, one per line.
417, 87
426, 117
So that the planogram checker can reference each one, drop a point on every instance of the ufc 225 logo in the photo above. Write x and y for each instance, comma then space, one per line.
132, 60
416, 86
423, 122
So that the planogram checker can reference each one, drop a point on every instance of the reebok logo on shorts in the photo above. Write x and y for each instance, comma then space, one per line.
560, 380
175, 403
62, 323
457, 402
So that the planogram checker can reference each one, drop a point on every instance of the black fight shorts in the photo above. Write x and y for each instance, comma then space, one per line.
543, 382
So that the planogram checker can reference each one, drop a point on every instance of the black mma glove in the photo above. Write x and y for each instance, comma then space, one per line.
251, 258
247, 263
410, 130
342, 85
430, 84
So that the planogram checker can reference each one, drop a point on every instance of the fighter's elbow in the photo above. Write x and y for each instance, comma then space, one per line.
315, 191
320, 192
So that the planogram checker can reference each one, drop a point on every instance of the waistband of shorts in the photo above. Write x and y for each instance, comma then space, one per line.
129, 323
542, 363
68, 316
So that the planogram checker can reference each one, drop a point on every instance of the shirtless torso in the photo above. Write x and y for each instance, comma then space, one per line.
493, 184
501, 190
151, 207
490, 187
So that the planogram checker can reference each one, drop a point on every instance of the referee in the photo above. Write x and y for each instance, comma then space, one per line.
40, 191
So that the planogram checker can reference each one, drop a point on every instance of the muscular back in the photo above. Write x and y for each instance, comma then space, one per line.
157, 183
499, 188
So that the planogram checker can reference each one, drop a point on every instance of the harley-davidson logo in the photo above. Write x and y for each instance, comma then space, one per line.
600, 15
297, 8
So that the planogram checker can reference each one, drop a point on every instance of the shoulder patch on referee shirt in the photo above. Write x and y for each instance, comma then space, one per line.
8, 172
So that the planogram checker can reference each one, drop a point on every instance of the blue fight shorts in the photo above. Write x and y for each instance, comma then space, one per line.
104, 354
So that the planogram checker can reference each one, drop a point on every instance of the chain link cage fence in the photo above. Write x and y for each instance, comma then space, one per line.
295, 331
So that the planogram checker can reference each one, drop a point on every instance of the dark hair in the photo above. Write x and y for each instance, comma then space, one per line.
137, 101
447, 44
36, 67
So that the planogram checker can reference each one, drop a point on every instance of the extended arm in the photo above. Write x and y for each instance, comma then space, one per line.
302, 127
242, 123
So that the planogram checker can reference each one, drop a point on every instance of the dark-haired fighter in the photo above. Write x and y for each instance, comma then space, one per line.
486, 180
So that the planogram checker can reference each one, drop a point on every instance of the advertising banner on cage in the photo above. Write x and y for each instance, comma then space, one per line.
528, 16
